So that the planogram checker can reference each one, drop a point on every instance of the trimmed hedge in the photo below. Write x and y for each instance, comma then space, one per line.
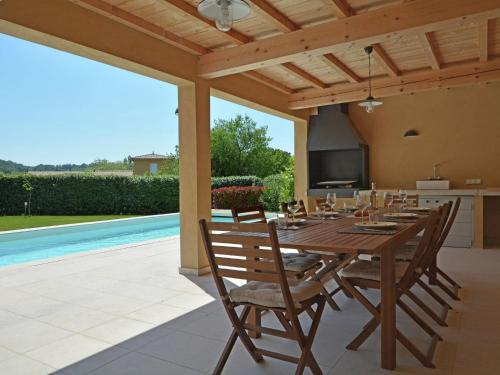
81, 194
236, 196
220, 182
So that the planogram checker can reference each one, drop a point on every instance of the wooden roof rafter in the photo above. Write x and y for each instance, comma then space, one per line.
408, 18
430, 51
483, 27
385, 61
156, 31
287, 25
240, 38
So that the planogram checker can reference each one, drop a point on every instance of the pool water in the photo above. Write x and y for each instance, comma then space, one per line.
36, 244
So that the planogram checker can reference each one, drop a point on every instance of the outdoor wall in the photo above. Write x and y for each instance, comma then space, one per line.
142, 166
459, 128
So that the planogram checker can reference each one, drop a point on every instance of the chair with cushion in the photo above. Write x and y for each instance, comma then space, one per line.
367, 275
296, 265
251, 252
334, 262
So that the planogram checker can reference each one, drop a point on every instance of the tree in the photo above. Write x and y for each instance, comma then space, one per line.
170, 166
240, 147
28, 188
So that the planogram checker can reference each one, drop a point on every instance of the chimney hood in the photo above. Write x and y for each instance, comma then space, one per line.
332, 129
337, 154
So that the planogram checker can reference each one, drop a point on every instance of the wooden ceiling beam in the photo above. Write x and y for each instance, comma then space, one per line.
408, 83
385, 61
138, 23
483, 41
342, 68
275, 16
304, 75
156, 31
426, 42
364, 29
340, 8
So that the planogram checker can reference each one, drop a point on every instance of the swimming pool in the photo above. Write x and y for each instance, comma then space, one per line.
29, 245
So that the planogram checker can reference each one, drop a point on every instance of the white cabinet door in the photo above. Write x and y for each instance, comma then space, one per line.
462, 231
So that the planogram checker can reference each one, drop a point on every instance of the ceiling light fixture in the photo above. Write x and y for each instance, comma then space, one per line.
370, 103
224, 12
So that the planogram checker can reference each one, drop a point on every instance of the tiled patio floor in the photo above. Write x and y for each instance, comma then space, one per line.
127, 311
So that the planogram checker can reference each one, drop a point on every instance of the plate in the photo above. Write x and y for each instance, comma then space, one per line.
401, 215
418, 209
296, 221
376, 225
317, 214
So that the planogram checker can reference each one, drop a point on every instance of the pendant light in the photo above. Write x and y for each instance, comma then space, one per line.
370, 103
224, 12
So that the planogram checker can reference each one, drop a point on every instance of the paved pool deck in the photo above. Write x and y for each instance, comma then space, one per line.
127, 310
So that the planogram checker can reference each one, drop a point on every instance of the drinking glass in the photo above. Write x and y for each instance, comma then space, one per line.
294, 207
331, 200
389, 200
320, 210
282, 220
403, 195
364, 205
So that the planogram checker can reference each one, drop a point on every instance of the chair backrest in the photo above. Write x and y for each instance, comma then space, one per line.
253, 214
302, 211
248, 252
450, 219
432, 233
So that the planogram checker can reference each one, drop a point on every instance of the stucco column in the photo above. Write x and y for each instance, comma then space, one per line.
300, 152
195, 172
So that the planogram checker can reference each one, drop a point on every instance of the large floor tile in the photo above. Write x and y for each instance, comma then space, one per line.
136, 363
76, 318
118, 330
21, 365
67, 351
30, 335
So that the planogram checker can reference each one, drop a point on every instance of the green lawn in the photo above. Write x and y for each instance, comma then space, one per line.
22, 222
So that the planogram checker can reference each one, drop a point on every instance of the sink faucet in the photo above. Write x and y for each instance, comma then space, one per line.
435, 172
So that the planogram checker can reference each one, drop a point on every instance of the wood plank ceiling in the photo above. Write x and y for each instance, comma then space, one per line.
313, 80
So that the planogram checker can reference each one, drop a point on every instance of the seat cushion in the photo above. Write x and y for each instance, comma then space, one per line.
365, 269
320, 252
300, 262
270, 294
404, 254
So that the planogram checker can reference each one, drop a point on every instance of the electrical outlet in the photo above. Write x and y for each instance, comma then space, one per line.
473, 181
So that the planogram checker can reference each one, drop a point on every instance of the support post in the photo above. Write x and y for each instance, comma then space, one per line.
300, 151
194, 174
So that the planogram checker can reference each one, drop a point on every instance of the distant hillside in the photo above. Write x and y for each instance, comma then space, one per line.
8, 166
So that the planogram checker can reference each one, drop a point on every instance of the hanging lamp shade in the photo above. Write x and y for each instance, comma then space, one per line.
224, 12
370, 102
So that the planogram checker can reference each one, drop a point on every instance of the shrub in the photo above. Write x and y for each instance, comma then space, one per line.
235, 196
81, 194
219, 182
278, 188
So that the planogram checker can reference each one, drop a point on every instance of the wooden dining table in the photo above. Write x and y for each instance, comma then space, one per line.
325, 236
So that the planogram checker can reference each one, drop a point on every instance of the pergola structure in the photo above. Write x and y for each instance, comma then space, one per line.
287, 58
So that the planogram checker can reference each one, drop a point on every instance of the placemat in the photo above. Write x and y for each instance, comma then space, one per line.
302, 225
356, 230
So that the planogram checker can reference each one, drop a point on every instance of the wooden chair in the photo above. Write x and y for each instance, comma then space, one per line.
334, 262
251, 252
367, 274
296, 265
321, 202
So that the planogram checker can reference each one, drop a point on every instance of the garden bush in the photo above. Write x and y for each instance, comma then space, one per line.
219, 182
82, 194
278, 188
236, 196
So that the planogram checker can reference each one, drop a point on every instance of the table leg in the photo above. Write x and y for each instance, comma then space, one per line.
388, 309
254, 317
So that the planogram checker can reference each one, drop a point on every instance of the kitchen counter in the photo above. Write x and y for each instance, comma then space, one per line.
444, 192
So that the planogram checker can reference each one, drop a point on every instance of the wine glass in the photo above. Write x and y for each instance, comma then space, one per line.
293, 207
403, 195
331, 200
320, 209
365, 204
389, 201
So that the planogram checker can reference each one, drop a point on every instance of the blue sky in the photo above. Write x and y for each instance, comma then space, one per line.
60, 108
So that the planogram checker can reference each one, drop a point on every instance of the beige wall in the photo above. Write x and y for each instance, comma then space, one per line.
459, 128
141, 166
